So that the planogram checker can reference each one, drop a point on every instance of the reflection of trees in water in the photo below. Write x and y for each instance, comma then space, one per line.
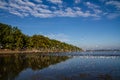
86, 76
105, 77
11, 65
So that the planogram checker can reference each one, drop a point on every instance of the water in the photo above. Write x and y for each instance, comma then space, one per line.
61, 66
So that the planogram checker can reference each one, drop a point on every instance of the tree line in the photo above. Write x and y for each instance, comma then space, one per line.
12, 38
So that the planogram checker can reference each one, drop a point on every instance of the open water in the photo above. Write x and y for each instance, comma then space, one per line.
102, 65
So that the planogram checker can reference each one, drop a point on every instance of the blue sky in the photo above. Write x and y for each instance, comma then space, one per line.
89, 24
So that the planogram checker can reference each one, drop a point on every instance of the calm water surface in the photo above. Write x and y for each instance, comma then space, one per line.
61, 66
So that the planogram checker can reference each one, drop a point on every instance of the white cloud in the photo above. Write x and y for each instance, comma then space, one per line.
25, 8
113, 15
114, 3
77, 1
69, 12
91, 5
56, 1
95, 8
77, 8
97, 11
2, 4
38, 1
53, 7
22, 2
16, 13
61, 37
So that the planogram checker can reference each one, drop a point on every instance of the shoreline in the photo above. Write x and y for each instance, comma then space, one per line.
31, 52
49, 51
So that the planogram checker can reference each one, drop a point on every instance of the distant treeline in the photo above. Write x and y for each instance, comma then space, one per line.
11, 38
105, 50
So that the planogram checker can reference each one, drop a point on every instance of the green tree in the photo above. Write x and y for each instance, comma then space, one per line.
12, 38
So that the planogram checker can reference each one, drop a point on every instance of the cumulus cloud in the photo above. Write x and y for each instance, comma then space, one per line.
116, 13
77, 1
114, 3
58, 8
55, 1
91, 5
113, 15
73, 12
95, 8
38, 1
24, 8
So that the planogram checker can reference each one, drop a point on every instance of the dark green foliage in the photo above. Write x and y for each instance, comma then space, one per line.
12, 38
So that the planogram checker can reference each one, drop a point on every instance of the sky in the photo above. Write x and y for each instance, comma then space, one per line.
89, 24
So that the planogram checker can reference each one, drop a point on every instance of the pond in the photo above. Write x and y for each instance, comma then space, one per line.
61, 66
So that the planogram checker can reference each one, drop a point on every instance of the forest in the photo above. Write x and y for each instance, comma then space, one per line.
12, 38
